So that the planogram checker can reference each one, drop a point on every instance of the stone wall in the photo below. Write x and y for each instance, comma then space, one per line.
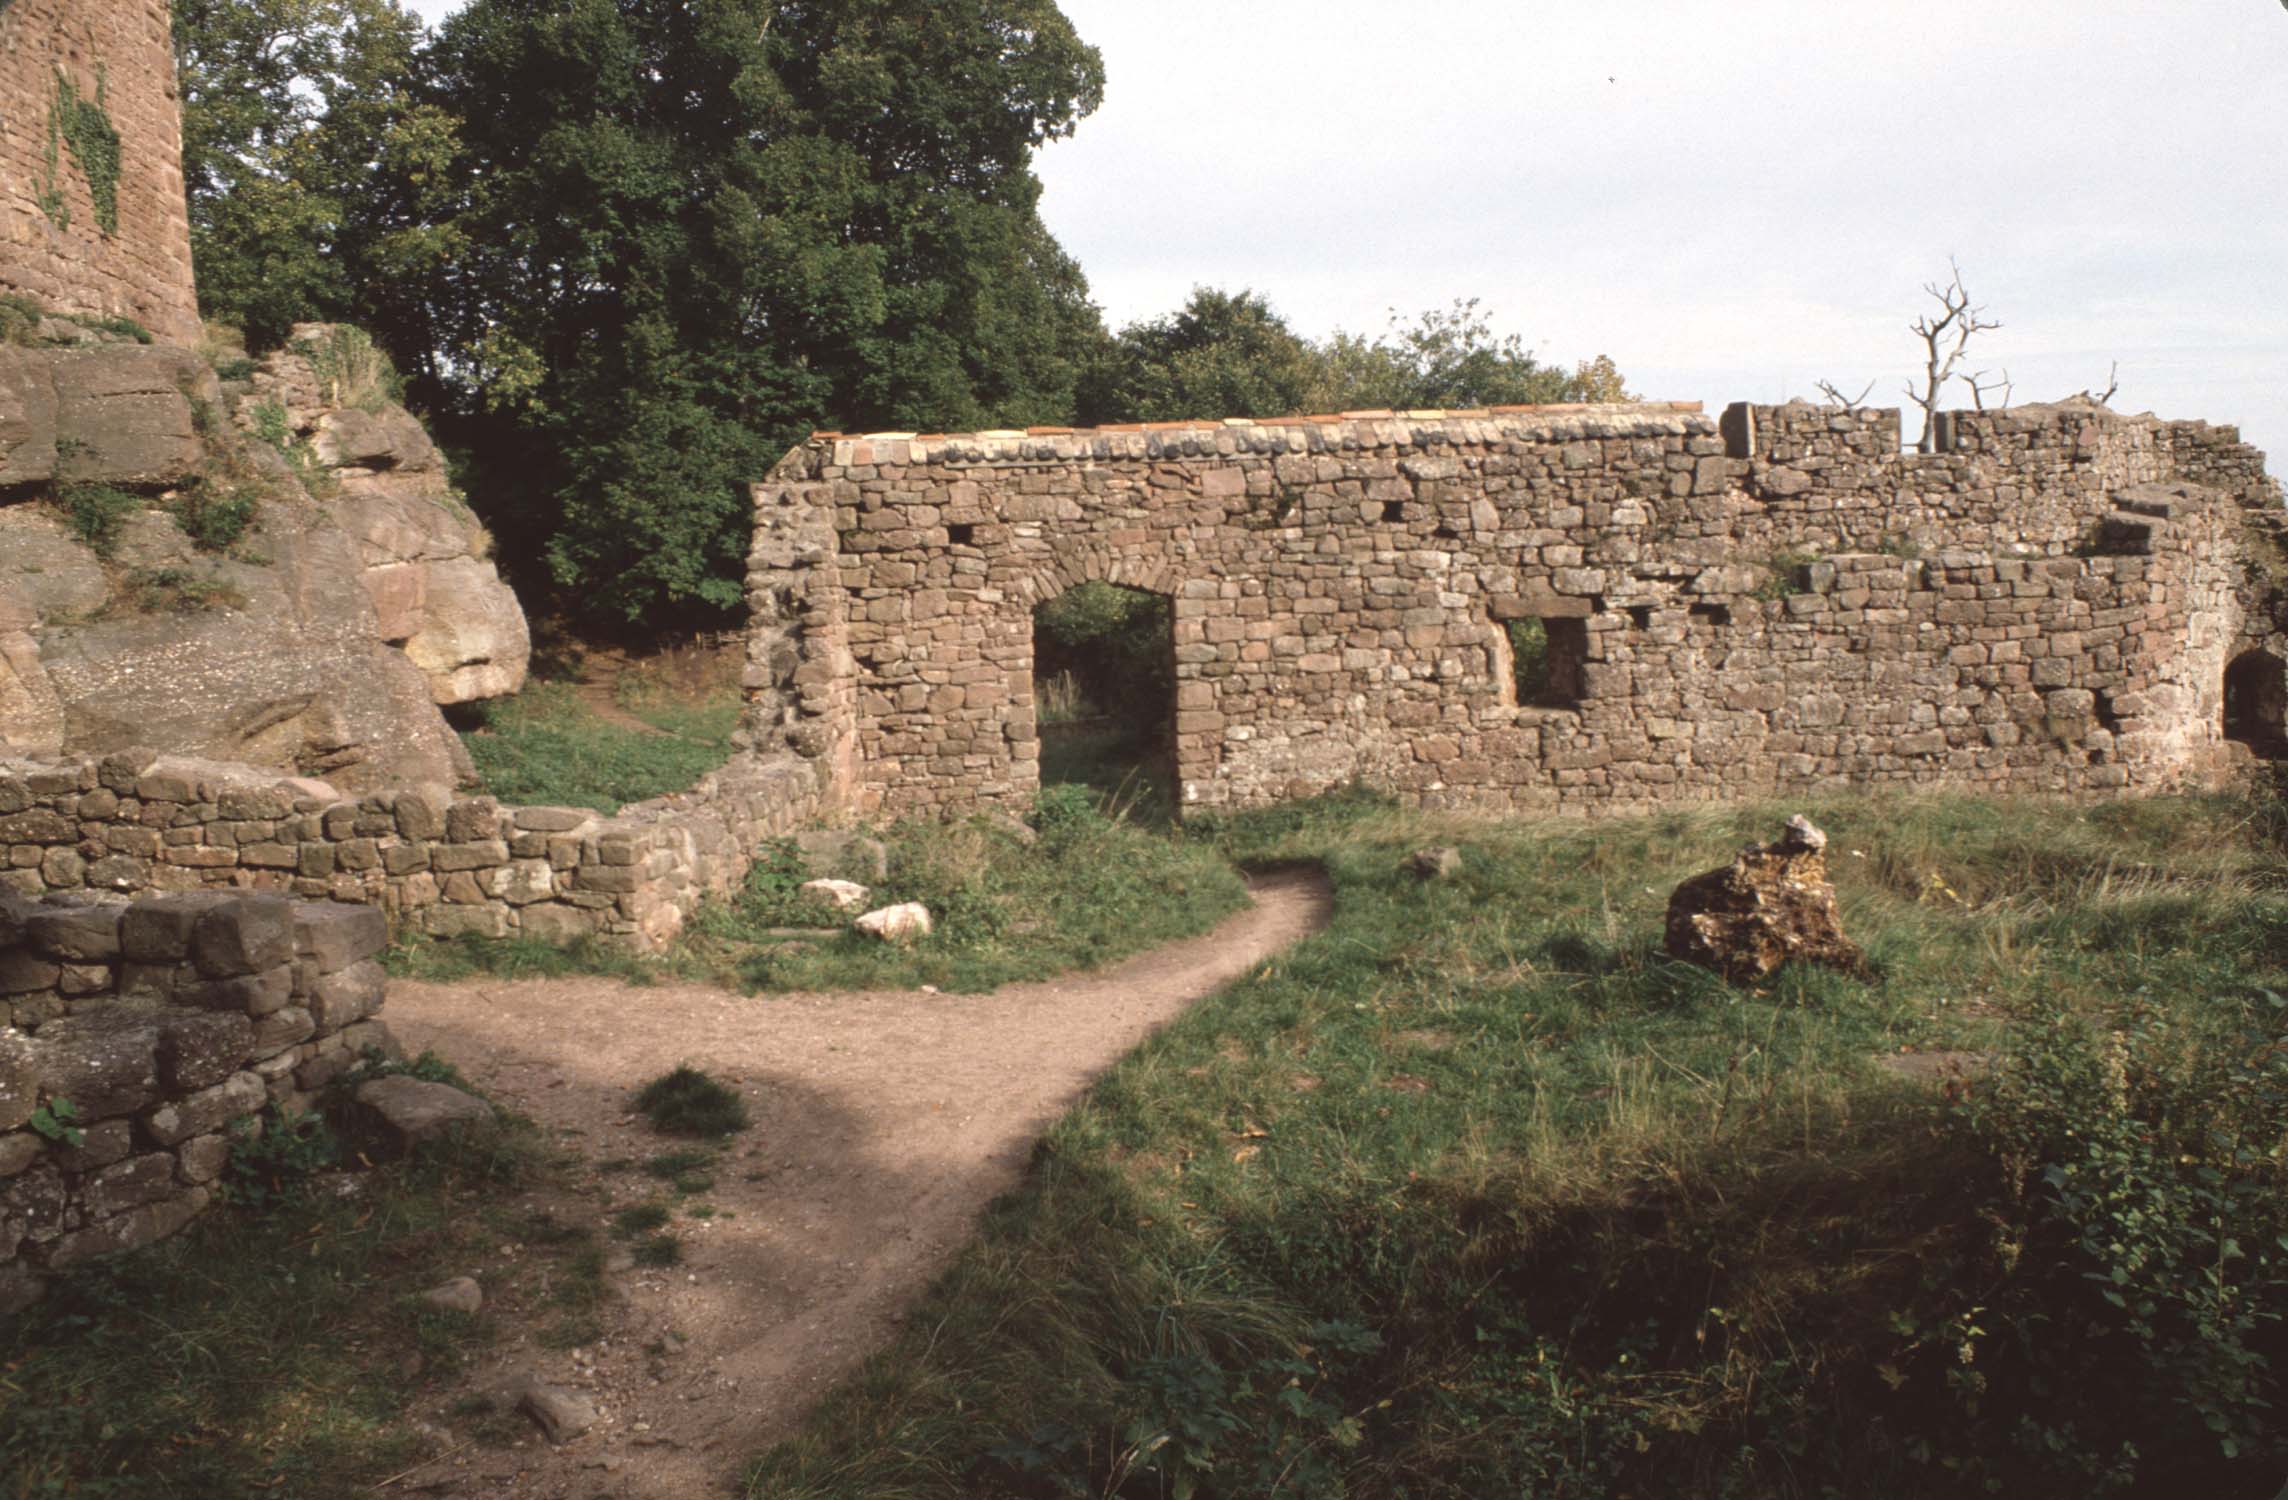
135, 821
165, 1022
1770, 601
54, 245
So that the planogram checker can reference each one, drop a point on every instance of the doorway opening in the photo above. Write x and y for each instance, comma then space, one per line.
1104, 691
2256, 703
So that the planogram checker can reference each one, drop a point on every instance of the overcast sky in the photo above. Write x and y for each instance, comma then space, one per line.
1733, 200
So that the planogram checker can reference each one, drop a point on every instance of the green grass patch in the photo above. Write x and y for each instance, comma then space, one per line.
1089, 890
688, 1102
548, 746
1479, 1193
642, 1218
658, 1250
262, 1351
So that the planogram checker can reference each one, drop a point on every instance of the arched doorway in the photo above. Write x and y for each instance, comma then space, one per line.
2256, 702
1104, 695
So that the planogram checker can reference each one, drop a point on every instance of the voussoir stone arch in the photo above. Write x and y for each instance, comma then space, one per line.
1069, 564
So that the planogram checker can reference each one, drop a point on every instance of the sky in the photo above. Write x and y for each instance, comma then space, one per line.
1734, 201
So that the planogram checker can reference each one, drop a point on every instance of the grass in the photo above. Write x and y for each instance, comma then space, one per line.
269, 1350
549, 746
1089, 890
686, 1101
1478, 1192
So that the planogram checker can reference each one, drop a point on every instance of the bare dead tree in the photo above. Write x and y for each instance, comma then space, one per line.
1834, 393
2112, 376
1945, 337
1981, 387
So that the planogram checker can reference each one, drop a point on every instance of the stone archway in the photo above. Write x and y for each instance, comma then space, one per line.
2256, 703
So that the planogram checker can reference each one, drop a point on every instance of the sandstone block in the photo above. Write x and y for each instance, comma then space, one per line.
243, 936
337, 934
412, 1112
207, 1110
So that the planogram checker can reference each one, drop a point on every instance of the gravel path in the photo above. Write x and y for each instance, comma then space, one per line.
884, 1123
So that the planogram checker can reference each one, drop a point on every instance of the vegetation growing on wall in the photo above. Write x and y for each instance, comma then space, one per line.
83, 125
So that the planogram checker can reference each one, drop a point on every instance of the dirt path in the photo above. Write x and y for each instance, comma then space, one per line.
884, 1123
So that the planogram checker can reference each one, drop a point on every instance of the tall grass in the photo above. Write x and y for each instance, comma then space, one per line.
548, 746
1479, 1193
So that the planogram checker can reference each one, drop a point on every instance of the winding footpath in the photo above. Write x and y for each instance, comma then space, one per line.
883, 1125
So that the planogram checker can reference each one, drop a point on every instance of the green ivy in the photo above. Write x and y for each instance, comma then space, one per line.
84, 125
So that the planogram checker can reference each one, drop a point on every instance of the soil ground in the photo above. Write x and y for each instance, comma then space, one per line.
883, 1125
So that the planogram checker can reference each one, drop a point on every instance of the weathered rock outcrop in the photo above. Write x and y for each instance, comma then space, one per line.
108, 413
318, 639
1771, 905
433, 591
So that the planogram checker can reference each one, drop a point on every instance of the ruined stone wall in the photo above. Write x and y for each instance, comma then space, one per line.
136, 821
165, 1022
1774, 601
61, 242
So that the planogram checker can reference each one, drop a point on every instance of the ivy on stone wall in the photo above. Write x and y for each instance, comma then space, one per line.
83, 125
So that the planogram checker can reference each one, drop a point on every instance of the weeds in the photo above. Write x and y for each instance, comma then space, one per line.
549, 746
97, 513
688, 1102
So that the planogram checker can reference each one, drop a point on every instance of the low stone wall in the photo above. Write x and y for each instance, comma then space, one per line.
164, 1022
138, 821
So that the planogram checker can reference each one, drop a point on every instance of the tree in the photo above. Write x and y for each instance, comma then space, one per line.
1230, 354
1443, 360
699, 228
1223, 354
1945, 336
313, 170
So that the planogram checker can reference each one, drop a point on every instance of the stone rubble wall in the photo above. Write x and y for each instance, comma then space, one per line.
1770, 601
136, 821
143, 271
166, 1022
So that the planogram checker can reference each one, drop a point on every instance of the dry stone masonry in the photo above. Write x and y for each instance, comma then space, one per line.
1773, 600
92, 213
166, 1023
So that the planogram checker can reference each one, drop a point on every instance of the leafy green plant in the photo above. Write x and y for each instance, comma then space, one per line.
97, 513
273, 1158
176, 591
352, 370
57, 1119
642, 1218
124, 327
84, 125
214, 517
688, 1102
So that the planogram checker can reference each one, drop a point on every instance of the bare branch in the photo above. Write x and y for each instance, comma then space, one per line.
1981, 387
1945, 338
1828, 389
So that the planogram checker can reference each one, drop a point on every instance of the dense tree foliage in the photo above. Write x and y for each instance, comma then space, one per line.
316, 172
629, 250
1229, 354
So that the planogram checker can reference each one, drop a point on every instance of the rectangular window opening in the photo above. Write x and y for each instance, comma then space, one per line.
1711, 614
960, 534
1394, 511
1546, 661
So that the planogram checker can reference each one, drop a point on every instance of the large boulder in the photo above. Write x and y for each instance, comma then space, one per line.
319, 643
435, 594
270, 655
1771, 905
